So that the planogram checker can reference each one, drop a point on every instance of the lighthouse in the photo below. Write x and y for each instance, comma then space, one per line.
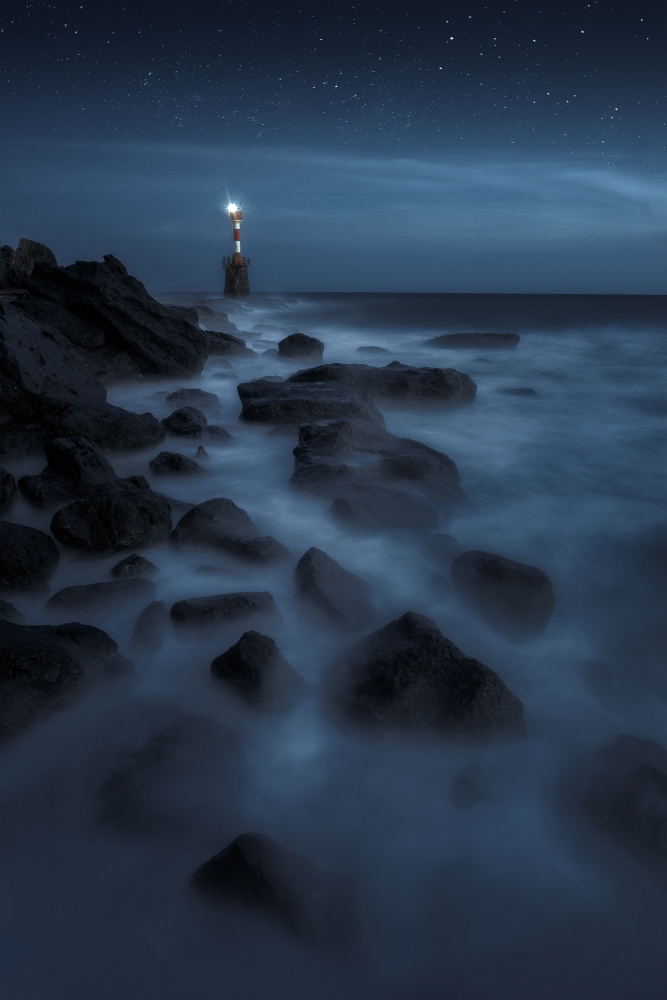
236, 266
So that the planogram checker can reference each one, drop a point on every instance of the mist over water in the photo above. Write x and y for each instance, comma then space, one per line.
498, 891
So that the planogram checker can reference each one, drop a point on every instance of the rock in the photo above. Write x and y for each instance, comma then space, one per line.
195, 397
226, 344
201, 452
151, 627
73, 465
221, 609
283, 402
480, 341
216, 432
43, 667
515, 598
218, 523
10, 614
395, 381
188, 421
118, 515
28, 557
91, 597
372, 507
170, 463
298, 345
407, 675
255, 668
26, 255
104, 425
338, 594
518, 392
623, 793
7, 490
440, 547
186, 312
133, 565
407, 461
261, 875
372, 349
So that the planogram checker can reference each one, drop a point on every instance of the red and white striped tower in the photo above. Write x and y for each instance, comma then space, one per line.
236, 218
236, 266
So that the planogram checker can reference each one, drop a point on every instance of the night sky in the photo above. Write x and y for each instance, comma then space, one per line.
411, 146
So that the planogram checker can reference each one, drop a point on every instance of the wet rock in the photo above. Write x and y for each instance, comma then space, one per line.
218, 523
134, 565
10, 614
395, 381
226, 344
201, 452
518, 391
261, 875
623, 793
73, 465
170, 463
91, 597
28, 557
255, 668
375, 508
27, 254
43, 667
221, 609
298, 345
195, 397
104, 425
412, 462
283, 402
480, 341
407, 675
151, 627
186, 312
515, 598
7, 490
118, 515
216, 432
338, 594
188, 421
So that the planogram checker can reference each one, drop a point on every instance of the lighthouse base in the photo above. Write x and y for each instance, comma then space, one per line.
236, 277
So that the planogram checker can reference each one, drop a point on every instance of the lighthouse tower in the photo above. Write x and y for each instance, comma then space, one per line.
236, 266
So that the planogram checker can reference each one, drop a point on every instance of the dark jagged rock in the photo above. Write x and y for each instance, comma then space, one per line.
187, 421
43, 667
287, 402
134, 565
519, 391
195, 397
480, 341
10, 614
372, 507
343, 437
73, 465
338, 594
407, 675
298, 345
395, 381
118, 515
170, 463
515, 598
218, 523
104, 425
91, 597
623, 792
257, 671
221, 609
151, 627
186, 312
7, 490
266, 878
27, 254
28, 557
226, 344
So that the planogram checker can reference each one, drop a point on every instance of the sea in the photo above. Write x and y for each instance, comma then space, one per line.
475, 877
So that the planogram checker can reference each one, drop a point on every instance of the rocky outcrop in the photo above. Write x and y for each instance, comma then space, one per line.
91, 597
219, 524
258, 673
515, 598
395, 381
221, 609
7, 490
407, 675
170, 463
273, 401
73, 466
337, 594
267, 879
28, 557
298, 345
104, 425
480, 341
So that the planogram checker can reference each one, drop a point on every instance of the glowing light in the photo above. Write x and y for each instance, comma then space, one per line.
232, 207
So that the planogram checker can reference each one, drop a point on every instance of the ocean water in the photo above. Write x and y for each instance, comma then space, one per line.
505, 895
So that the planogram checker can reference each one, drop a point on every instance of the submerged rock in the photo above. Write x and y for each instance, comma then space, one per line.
288, 402
257, 671
336, 593
73, 465
480, 341
191, 396
91, 597
151, 627
7, 490
407, 675
171, 463
374, 508
395, 381
298, 345
187, 421
134, 565
218, 523
226, 344
119, 515
221, 609
515, 598
28, 557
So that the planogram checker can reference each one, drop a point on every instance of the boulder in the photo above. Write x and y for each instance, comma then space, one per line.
134, 565
298, 345
374, 508
195, 397
221, 609
267, 879
186, 312
104, 425
338, 594
480, 341
151, 627
257, 671
187, 421
28, 557
622, 791
218, 523
120, 515
515, 598
73, 465
7, 490
42, 668
92, 597
395, 381
10, 614
287, 402
170, 463
226, 344
407, 675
